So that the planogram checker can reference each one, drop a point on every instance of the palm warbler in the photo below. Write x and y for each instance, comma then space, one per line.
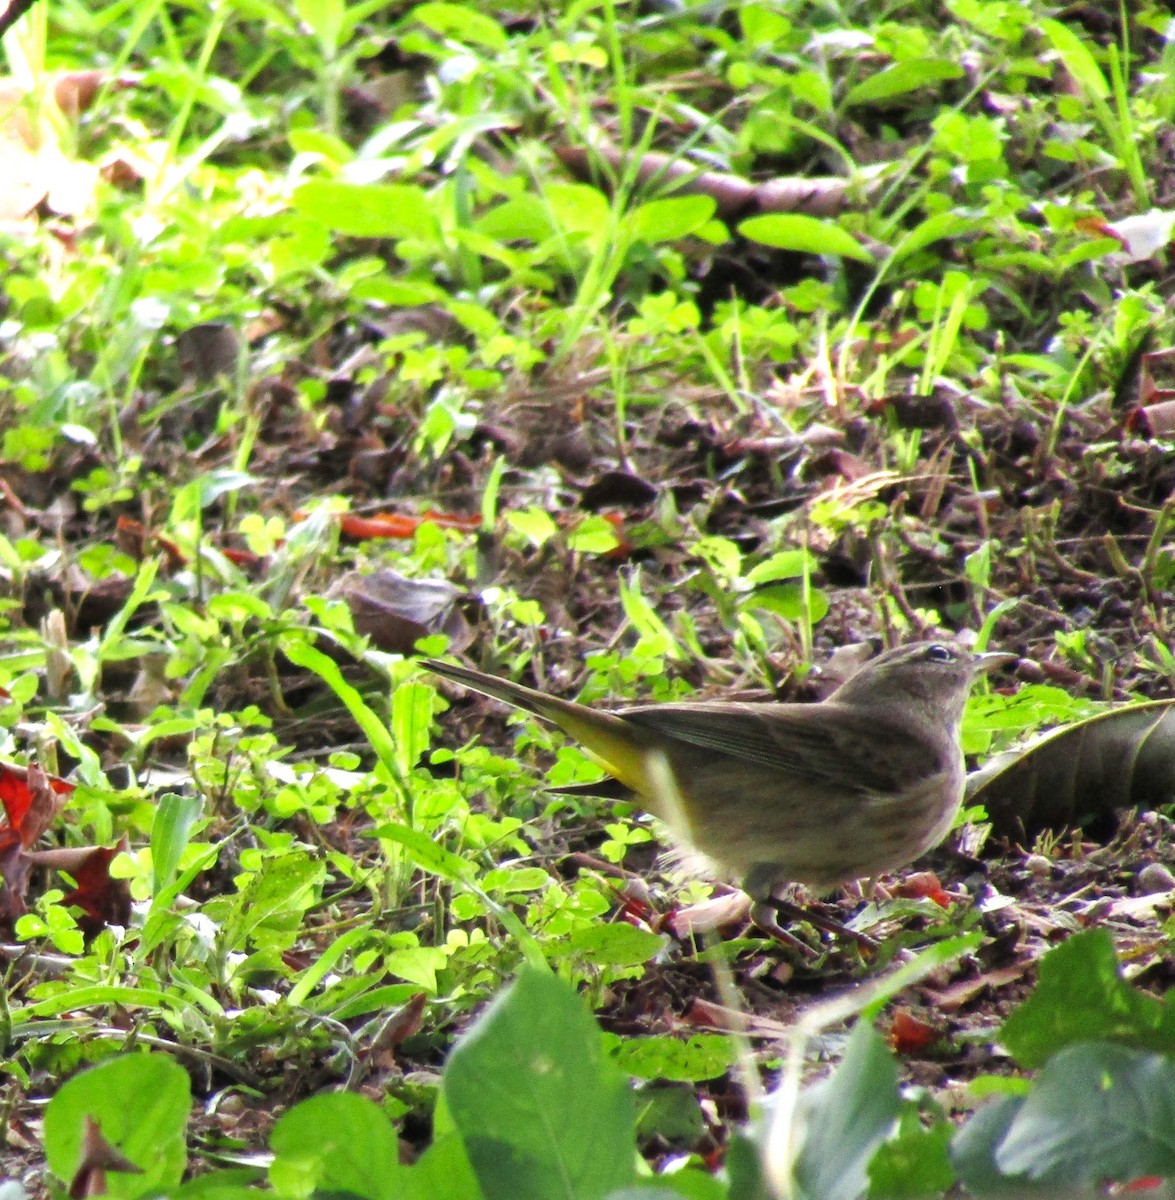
819, 794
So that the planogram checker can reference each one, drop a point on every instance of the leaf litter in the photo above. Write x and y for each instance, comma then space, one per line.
1078, 491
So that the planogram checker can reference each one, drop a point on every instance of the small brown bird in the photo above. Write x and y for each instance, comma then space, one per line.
819, 794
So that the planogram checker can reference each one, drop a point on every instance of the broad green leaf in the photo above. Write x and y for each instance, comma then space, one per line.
744, 1167
901, 78
463, 23
228, 1183
703, 1056
238, 607
1081, 996
578, 208
325, 19
653, 631
443, 1170
541, 1109
141, 1104
913, 1165
522, 219
370, 210
516, 879
534, 524
398, 293
426, 852
805, 235
411, 722
787, 564
670, 1112
973, 1152
321, 143
593, 535
846, 1117
670, 219
790, 602
101, 995
934, 229
339, 1144
616, 945
1033, 705
302, 654
1099, 1113
723, 555
174, 817
205, 490
284, 885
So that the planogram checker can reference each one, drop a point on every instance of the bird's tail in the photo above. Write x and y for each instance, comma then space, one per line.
548, 707
619, 746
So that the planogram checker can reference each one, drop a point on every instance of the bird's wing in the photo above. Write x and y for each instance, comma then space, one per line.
819, 743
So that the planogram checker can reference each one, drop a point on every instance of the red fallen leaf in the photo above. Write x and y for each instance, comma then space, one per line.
103, 901
27, 794
909, 1035
243, 558
137, 531
401, 525
923, 884
626, 548
382, 525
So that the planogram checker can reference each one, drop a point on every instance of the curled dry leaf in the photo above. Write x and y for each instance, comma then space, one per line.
909, 1034
1082, 773
31, 801
396, 612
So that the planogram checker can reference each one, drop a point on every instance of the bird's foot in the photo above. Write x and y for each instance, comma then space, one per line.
766, 914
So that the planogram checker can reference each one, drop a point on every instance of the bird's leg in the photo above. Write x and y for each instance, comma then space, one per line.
766, 914
868, 889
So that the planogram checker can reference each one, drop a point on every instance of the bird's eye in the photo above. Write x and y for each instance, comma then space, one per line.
939, 653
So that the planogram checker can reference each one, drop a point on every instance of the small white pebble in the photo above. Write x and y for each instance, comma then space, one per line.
1038, 865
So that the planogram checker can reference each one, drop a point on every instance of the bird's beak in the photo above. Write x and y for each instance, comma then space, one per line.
992, 659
